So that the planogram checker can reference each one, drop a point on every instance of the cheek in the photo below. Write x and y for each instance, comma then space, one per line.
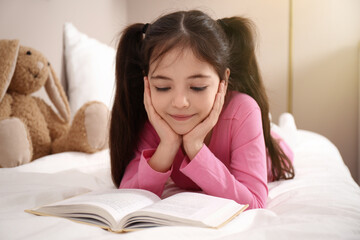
157, 101
207, 102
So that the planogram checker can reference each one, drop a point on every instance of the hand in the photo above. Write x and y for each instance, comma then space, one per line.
162, 128
169, 140
194, 140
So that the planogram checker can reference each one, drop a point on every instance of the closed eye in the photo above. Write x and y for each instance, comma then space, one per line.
198, 89
162, 89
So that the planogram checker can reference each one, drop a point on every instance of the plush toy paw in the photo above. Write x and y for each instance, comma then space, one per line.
88, 131
15, 143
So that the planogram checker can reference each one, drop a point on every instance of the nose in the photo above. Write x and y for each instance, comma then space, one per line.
180, 100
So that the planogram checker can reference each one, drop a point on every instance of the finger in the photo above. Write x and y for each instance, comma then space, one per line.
223, 87
153, 116
223, 93
146, 94
147, 100
217, 107
218, 104
220, 98
146, 79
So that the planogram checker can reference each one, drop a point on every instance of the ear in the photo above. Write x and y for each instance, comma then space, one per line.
9, 50
57, 95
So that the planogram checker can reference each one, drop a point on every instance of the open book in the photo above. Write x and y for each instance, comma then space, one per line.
123, 210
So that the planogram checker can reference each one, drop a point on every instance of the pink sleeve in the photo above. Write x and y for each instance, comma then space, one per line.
139, 174
245, 179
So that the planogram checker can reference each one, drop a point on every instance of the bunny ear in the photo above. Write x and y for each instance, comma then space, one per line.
9, 50
57, 95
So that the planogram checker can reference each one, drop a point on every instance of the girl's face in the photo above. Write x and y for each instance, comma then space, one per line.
183, 89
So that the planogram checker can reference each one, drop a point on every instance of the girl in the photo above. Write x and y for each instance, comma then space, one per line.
190, 104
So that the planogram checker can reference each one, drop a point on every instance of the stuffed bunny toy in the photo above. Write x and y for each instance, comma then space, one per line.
29, 127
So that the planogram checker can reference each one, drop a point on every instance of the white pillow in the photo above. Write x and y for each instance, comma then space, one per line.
90, 69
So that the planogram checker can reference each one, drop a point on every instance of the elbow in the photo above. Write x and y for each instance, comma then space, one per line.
258, 199
258, 203
254, 200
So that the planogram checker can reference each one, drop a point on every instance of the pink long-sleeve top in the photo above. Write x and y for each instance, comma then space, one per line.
234, 165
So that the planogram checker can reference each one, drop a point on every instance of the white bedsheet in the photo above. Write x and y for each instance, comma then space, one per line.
322, 202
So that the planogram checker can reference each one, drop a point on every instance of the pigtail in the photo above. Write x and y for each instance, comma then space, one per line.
128, 112
246, 78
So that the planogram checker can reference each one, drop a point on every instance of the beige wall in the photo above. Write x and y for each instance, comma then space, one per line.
326, 37
39, 23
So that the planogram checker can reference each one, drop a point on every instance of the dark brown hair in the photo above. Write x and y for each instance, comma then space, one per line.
226, 43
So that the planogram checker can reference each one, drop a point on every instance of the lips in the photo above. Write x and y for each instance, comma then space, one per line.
178, 117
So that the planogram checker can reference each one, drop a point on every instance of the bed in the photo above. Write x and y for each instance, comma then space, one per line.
321, 202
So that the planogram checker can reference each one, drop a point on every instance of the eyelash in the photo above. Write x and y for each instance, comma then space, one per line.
159, 89
196, 89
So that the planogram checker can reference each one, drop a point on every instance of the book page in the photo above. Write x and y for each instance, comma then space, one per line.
116, 202
209, 210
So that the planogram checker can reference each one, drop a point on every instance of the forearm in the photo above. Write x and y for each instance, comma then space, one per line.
163, 157
140, 175
214, 178
193, 149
